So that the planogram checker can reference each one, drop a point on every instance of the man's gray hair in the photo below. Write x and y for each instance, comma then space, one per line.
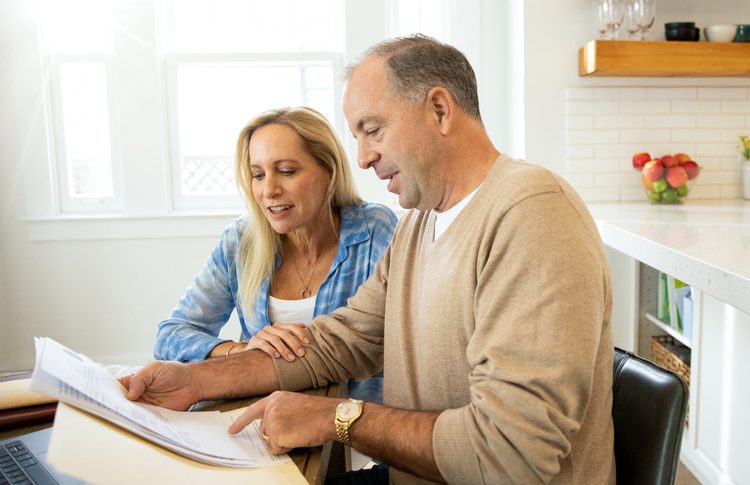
419, 63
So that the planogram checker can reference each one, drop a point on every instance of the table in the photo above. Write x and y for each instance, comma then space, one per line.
701, 242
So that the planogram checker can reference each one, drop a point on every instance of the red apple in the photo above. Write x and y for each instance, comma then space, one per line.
669, 161
682, 157
653, 170
691, 168
640, 159
676, 176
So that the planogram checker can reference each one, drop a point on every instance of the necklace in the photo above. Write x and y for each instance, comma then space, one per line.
306, 293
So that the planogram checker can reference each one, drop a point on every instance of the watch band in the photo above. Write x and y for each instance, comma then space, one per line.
346, 413
342, 431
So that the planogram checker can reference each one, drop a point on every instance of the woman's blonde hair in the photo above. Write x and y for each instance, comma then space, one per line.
260, 243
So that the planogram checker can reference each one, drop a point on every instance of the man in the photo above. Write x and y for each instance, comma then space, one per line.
489, 313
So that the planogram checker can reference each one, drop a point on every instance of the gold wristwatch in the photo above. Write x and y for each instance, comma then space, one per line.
346, 413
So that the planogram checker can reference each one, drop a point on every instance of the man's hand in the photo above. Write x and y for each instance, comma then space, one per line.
291, 420
175, 385
166, 384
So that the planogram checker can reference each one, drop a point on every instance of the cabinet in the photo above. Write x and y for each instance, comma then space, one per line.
663, 59
716, 441
649, 322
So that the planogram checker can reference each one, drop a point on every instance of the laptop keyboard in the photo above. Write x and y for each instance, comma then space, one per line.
18, 466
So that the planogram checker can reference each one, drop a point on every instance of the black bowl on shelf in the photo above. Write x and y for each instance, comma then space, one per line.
683, 31
679, 25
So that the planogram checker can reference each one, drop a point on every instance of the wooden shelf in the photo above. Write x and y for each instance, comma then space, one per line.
625, 58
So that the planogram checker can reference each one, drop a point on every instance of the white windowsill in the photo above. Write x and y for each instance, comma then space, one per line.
114, 227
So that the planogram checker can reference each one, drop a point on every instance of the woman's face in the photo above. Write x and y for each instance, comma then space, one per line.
289, 185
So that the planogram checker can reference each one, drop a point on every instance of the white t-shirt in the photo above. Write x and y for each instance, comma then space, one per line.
443, 220
291, 311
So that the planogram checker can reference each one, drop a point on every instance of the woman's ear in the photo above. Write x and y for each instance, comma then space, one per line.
442, 107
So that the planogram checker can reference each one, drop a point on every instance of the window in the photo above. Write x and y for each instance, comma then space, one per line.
78, 51
423, 16
144, 100
228, 60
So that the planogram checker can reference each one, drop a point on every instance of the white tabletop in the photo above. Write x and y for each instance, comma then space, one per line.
705, 243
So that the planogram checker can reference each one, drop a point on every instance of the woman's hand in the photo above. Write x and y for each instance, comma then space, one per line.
281, 339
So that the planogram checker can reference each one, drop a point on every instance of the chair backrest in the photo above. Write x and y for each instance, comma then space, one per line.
648, 409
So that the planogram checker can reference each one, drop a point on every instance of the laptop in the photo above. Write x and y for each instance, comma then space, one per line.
23, 460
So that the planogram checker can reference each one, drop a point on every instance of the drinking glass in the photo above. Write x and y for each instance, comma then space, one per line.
641, 14
631, 22
610, 14
601, 19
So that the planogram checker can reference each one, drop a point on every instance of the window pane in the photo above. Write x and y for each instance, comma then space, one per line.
195, 26
76, 26
419, 16
215, 100
318, 90
85, 116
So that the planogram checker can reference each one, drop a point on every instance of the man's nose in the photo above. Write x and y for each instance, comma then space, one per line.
366, 156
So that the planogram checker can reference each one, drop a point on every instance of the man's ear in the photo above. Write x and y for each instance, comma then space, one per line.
442, 107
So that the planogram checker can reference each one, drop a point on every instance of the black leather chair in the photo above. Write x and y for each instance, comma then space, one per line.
648, 409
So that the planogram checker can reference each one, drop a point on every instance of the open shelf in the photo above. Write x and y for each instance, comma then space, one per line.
626, 58
669, 330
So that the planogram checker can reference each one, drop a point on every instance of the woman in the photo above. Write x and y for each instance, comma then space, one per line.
308, 245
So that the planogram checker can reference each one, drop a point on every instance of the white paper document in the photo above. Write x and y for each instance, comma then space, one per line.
76, 380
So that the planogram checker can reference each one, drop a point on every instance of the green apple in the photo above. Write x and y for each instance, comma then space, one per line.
669, 195
660, 185
682, 191
654, 196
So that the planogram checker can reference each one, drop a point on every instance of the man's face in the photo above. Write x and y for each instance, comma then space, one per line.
393, 136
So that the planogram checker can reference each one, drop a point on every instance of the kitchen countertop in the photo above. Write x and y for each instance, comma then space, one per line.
705, 243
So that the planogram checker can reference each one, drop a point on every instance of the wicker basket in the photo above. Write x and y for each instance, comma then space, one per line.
672, 355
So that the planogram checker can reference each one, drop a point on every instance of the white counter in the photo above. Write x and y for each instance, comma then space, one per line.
706, 244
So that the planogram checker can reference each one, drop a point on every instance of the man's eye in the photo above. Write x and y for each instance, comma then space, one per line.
372, 131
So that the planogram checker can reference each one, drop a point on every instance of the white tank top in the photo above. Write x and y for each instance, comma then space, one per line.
291, 311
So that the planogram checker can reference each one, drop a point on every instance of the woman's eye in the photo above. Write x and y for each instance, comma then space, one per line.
258, 176
287, 172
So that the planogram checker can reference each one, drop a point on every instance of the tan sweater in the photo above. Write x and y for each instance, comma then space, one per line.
503, 323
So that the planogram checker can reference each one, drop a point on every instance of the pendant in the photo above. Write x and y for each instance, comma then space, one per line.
305, 293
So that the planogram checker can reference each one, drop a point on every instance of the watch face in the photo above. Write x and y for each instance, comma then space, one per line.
347, 410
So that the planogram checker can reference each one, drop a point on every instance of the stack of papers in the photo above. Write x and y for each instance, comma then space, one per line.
76, 380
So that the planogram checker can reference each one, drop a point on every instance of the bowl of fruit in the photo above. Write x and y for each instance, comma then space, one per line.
666, 178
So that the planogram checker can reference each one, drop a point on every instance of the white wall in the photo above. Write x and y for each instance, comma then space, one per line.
606, 125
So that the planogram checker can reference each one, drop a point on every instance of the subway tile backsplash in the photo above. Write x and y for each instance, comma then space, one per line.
606, 125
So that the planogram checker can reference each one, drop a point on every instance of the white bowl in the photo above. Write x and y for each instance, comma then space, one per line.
720, 33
